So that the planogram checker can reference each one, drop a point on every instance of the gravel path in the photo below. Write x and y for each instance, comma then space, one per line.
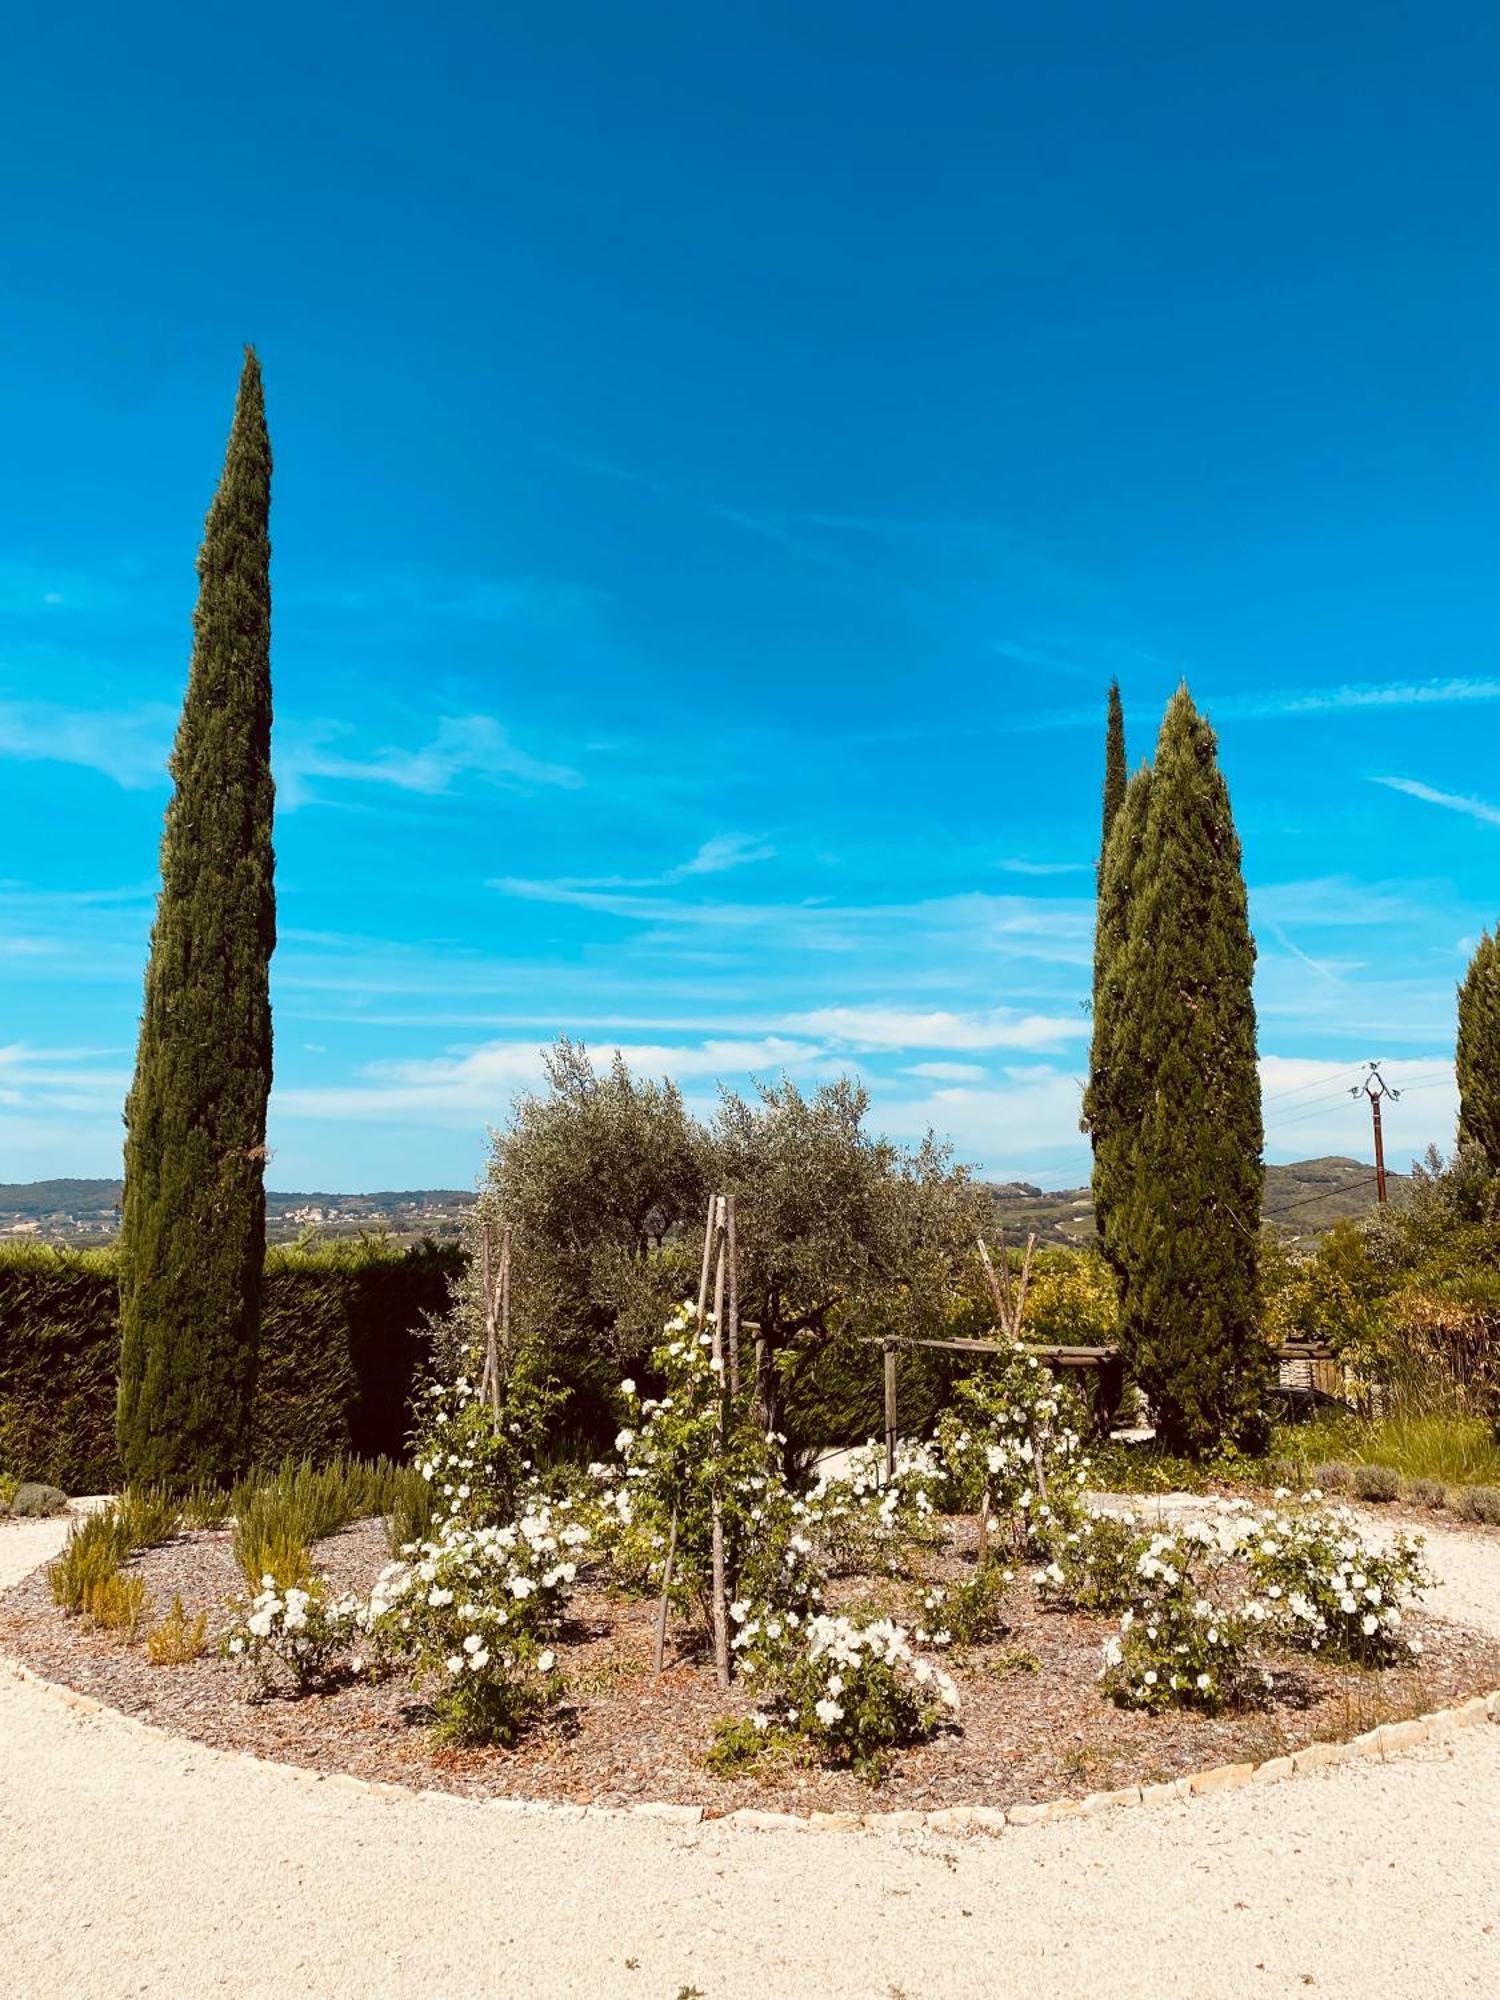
134, 1865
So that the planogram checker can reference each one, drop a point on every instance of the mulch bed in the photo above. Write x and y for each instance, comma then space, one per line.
1033, 1724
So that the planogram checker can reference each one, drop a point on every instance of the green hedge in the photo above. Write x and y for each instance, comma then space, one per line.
342, 1336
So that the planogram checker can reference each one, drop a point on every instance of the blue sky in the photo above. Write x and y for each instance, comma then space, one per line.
721, 460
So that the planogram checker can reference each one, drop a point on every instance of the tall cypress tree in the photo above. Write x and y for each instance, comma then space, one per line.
1183, 1216
193, 1236
1115, 778
1107, 926
1112, 1101
1478, 1058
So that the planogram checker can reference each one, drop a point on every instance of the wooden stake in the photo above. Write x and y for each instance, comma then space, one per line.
660, 1648
890, 1409
506, 1237
731, 1244
708, 1252
720, 1591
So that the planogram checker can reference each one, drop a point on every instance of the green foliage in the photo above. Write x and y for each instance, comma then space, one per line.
1481, 1504
147, 1515
1375, 1482
1071, 1301
601, 1173
1116, 776
1458, 1450
1093, 1566
838, 1228
177, 1640
192, 1238
1478, 1054
973, 1611
343, 1335
277, 1520
1175, 1100
10, 1486
117, 1603
32, 1499
95, 1548
737, 1743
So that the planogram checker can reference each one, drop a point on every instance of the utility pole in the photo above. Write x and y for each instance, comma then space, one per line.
1375, 1088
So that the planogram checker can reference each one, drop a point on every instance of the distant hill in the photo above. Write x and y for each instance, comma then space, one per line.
1304, 1200
82, 1210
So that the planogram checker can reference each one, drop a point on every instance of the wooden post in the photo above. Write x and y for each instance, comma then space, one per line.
732, 1248
890, 1409
720, 1591
708, 1253
495, 1298
659, 1650
506, 1238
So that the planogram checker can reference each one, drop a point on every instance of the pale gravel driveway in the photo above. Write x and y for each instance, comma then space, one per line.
136, 1865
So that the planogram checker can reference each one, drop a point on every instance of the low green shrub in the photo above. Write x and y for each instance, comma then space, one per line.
93, 1553
736, 1744
177, 1640
1481, 1504
117, 1603
33, 1499
1426, 1493
1332, 1476
971, 1612
1380, 1483
10, 1486
277, 1519
147, 1516
1093, 1566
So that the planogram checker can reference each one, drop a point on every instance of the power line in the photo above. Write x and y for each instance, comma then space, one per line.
1313, 1083
1323, 1194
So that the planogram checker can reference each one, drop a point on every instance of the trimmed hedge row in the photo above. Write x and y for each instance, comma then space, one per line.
343, 1333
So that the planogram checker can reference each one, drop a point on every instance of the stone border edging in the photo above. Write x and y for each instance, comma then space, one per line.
1441, 1726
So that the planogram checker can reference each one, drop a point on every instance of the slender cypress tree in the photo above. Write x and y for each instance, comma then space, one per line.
1478, 1060
1115, 777
1112, 1101
1107, 926
1183, 1209
193, 1237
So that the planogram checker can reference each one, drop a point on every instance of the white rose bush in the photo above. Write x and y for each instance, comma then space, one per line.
474, 1613
288, 1639
1208, 1594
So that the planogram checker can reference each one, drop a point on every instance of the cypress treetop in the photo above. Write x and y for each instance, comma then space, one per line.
1478, 1055
1111, 1103
193, 1231
1183, 1206
1114, 768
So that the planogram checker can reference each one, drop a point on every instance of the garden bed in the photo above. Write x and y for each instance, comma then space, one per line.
1033, 1722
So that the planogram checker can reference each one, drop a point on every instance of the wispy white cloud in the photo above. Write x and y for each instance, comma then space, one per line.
1045, 867
131, 745
1288, 704
477, 745
724, 851
128, 745
897, 1028
1458, 802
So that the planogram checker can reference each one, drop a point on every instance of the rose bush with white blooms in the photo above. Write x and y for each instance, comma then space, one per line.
1207, 1592
1334, 1591
474, 1611
852, 1694
1013, 1448
289, 1639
